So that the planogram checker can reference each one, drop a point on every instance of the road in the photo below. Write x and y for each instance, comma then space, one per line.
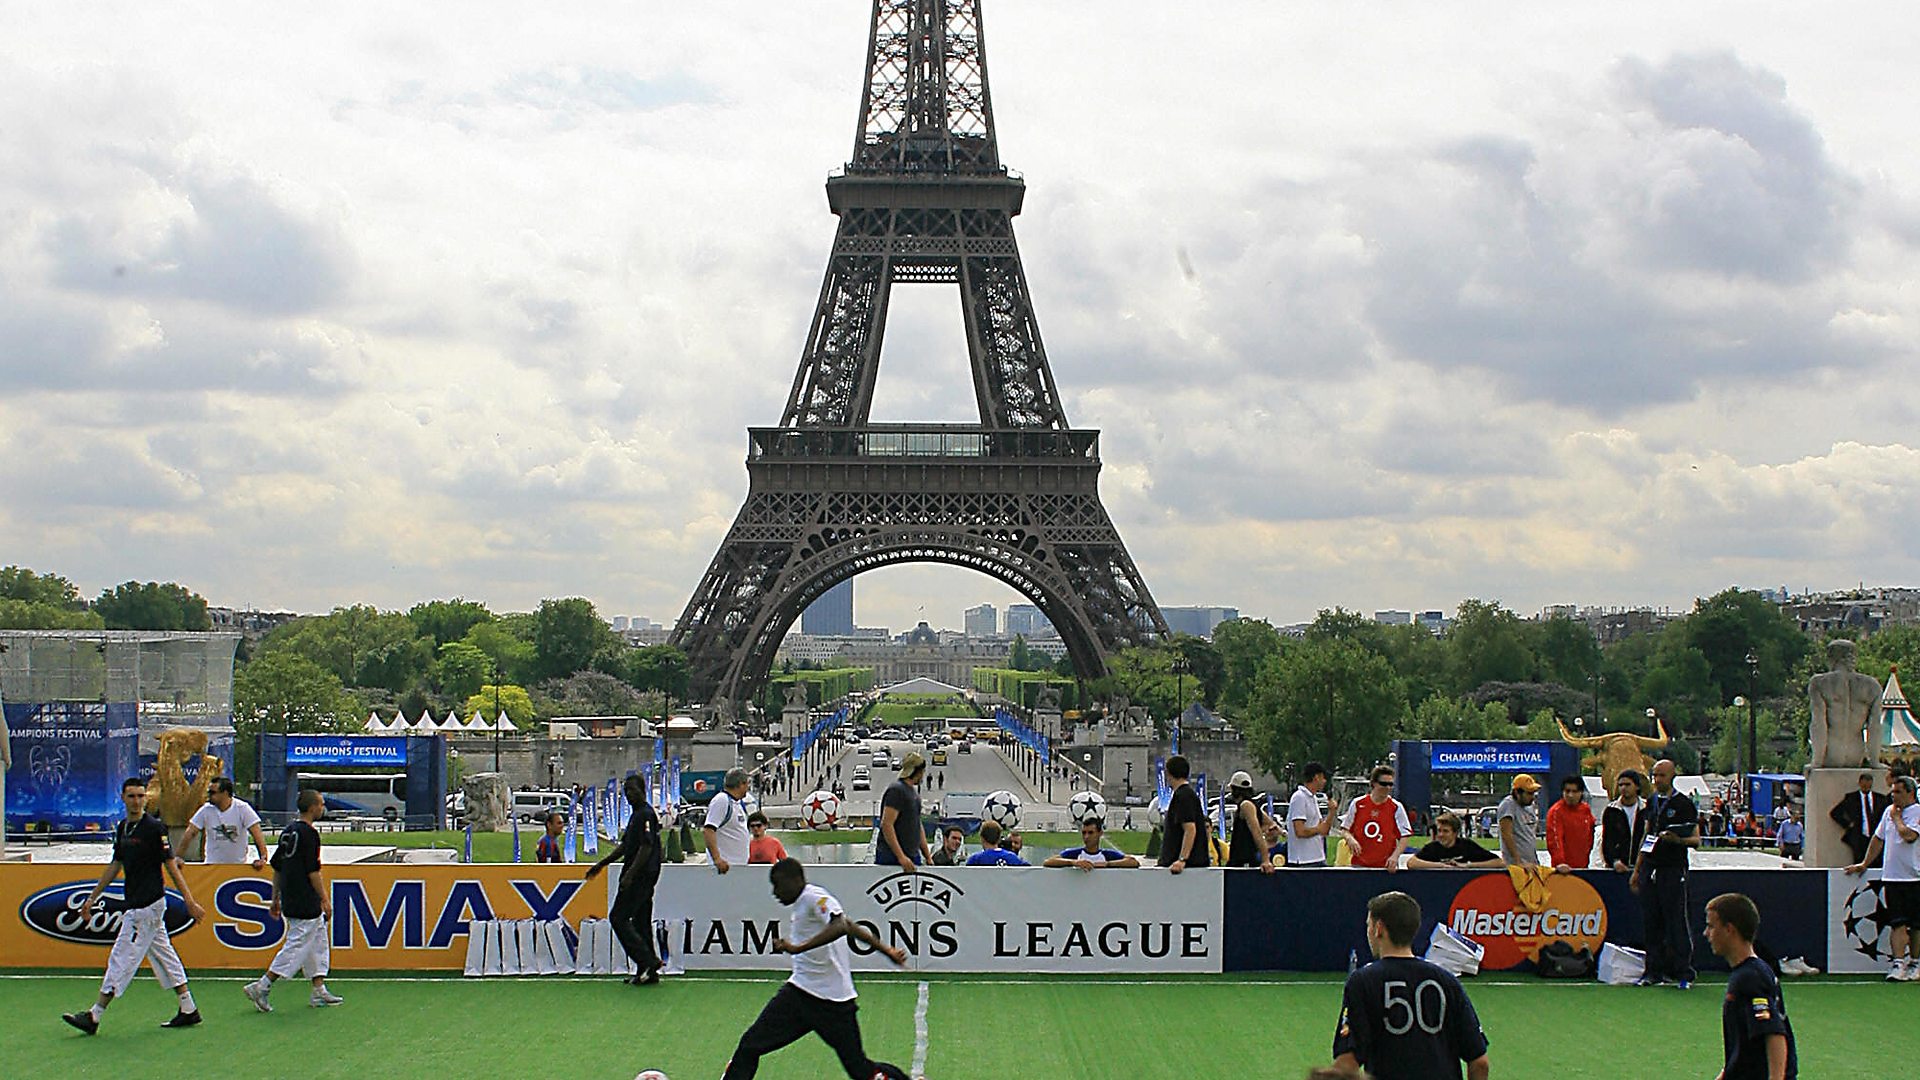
981, 771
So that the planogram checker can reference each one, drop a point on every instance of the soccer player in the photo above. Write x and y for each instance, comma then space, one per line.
1375, 824
1758, 1037
1403, 1018
991, 853
227, 823
632, 915
141, 851
1898, 836
300, 896
1090, 855
819, 996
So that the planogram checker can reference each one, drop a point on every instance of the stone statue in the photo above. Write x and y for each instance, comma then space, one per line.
1048, 699
1136, 721
1618, 752
797, 697
1846, 712
489, 801
175, 800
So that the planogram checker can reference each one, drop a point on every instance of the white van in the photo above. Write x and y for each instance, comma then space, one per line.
532, 806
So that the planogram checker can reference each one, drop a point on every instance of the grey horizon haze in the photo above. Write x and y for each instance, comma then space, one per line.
1381, 308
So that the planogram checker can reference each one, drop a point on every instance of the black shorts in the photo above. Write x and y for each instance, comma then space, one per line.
1903, 903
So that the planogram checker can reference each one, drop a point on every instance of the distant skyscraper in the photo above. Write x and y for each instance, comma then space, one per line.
982, 621
832, 613
1393, 618
1025, 620
1197, 621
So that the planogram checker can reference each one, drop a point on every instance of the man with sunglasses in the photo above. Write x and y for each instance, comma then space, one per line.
1375, 825
227, 823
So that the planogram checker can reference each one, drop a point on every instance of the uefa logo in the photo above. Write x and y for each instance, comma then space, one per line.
909, 891
56, 912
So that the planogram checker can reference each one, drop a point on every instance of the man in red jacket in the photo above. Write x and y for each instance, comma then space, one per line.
1570, 826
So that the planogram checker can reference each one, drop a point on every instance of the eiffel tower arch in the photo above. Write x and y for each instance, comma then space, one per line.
923, 200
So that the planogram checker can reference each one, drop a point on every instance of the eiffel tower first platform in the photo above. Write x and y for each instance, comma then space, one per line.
924, 199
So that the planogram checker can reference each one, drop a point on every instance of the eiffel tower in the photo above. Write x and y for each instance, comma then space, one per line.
924, 199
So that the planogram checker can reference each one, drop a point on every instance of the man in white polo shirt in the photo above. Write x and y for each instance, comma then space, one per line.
227, 823
1307, 824
1898, 836
728, 840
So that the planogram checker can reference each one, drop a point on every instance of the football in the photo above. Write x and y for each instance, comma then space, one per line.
750, 804
820, 810
1002, 808
1155, 813
1087, 806
651, 1074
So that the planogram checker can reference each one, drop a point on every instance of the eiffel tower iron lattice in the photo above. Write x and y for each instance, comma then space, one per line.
924, 199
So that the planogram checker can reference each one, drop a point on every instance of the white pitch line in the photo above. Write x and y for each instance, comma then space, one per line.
920, 1033
771, 979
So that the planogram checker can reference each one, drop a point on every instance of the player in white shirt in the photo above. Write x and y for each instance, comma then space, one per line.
726, 832
226, 822
819, 996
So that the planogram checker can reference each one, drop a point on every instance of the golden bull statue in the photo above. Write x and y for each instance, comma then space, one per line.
1618, 752
175, 798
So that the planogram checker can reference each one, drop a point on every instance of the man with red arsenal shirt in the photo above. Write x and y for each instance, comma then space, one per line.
1375, 825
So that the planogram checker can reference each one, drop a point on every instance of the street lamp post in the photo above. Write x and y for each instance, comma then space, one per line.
496, 723
1753, 727
1180, 669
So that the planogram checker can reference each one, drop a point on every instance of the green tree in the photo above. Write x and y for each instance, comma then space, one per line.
1730, 625
1205, 667
1339, 624
34, 615
590, 693
1243, 645
1569, 654
1419, 659
1438, 717
461, 669
362, 645
133, 605
1488, 643
1881, 652
657, 668
508, 640
568, 635
1782, 748
447, 620
1332, 701
22, 584
284, 692
513, 700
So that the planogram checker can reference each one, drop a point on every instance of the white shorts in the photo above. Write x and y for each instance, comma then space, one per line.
143, 936
306, 947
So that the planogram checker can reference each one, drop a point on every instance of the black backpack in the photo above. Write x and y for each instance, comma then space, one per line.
1559, 960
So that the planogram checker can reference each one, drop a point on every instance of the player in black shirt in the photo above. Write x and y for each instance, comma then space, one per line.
632, 912
1184, 843
1402, 1018
302, 900
140, 851
1758, 1037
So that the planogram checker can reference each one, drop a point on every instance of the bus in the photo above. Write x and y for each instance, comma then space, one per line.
360, 794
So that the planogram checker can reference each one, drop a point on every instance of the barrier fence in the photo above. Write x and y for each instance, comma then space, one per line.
418, 917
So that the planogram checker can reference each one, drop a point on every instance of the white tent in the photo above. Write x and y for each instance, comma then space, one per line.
1897, 716
375, 724
476, 722
504, 724
452, 722
425, 725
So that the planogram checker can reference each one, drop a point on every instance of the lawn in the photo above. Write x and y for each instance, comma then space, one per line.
903, 709
977, 1027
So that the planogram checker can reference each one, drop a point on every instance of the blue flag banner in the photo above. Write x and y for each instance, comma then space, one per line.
805, 741
1022, 733
574, 818
673, 781
466, 852
590, 832
515, 826
1174, 735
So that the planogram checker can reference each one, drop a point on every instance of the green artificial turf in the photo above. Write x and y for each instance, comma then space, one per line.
978, 1027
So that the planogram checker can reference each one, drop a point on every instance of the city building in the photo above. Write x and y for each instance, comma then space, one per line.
832, 613
982, 621
1393, 618
1197, 621
1025, 620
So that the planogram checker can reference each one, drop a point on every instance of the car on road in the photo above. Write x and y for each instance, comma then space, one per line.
862, 782
880, 759
940, 758
893, 762
966, 747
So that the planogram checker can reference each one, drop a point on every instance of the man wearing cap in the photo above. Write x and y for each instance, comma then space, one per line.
1375, 824
1518, 824
1307, 827
1254, 830
1660, 879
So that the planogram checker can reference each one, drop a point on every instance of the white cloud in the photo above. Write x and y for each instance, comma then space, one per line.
1380, 309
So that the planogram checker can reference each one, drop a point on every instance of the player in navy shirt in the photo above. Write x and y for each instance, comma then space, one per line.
1090, 855
1758, 1037
991, 853
1402, 1018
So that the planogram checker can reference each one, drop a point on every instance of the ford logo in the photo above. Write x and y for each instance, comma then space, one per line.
56, 913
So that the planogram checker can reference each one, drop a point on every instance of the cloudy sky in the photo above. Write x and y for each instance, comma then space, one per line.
1378, 305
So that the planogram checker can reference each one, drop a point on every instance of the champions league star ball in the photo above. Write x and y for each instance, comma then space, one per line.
1087, 806
1155, 813
651, 1074
750, 804
821, 810
1002, 808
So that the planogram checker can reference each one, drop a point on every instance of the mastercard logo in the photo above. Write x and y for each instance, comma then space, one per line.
1487, 910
